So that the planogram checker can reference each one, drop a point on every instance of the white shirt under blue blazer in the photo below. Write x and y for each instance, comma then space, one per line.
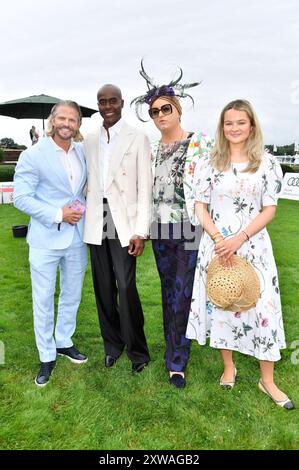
42, 187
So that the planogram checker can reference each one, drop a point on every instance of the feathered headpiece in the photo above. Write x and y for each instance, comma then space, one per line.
174, 88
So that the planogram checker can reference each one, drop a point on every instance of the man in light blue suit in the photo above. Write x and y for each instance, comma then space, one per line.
49, 182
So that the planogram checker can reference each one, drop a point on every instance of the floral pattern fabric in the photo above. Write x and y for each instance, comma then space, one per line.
177, 173
168, 191
235, 198
200, 146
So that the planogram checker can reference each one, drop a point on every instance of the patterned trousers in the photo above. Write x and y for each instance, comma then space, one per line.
176, 265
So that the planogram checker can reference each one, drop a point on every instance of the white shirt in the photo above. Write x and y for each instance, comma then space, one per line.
73, 169
106, 149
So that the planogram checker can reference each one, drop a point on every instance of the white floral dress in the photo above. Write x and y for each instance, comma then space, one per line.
234, 199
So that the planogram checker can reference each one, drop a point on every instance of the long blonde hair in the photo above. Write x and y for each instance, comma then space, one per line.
220, 154
71, 104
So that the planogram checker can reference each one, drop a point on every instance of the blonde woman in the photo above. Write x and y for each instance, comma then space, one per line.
236, 197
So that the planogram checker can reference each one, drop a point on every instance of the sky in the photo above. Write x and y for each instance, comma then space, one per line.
236, 49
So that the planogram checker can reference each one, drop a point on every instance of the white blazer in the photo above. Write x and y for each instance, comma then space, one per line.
128, 186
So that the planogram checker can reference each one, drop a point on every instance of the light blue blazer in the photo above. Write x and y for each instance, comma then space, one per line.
41, 187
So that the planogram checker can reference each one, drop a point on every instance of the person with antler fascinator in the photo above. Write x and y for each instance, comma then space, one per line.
174, 237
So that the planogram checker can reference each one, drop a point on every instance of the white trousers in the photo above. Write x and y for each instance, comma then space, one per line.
72, 263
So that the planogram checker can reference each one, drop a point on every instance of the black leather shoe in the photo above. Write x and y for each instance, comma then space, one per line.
72, 354
110, 360
44, 374
177, 380
138, 367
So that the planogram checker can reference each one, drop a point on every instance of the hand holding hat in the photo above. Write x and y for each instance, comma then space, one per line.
235, 288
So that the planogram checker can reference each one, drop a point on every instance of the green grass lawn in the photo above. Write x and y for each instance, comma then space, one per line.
89, 407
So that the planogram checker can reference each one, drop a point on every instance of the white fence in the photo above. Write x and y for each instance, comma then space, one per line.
288, 159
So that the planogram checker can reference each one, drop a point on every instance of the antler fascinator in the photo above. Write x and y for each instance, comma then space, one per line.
174, 88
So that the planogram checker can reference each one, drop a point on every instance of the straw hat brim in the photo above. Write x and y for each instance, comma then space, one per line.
234, 289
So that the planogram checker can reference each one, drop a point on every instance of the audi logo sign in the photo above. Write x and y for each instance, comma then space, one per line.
290, 186
293, 181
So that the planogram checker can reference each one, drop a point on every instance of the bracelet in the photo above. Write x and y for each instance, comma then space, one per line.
214, 235
219, 239
246, 235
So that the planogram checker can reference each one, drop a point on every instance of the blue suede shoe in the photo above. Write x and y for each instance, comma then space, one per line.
177, 380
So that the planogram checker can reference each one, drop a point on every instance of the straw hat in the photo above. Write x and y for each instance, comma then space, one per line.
235, 289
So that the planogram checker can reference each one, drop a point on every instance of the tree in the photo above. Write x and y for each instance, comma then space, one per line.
282, 150
7, 143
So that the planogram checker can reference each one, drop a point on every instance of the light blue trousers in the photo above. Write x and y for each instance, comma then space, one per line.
72, 263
